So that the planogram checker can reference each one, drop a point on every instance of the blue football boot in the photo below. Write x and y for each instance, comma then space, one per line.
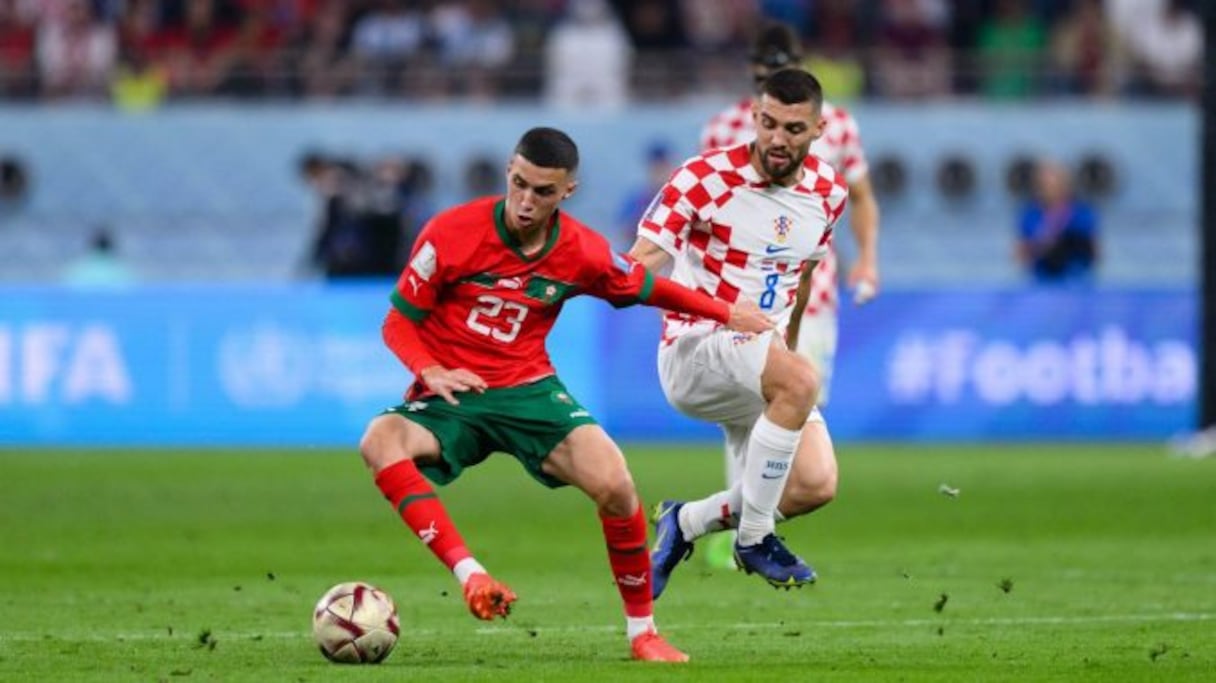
772, 560
670, 548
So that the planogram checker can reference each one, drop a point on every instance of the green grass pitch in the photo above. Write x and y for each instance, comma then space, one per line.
1062, 563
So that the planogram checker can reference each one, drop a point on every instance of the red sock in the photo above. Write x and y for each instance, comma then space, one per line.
420, 509
630, 560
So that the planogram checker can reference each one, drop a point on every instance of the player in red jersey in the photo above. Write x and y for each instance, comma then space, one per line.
777, 48
470, 314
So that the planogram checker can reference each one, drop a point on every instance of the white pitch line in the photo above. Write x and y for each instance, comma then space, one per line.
870, 623
740, 626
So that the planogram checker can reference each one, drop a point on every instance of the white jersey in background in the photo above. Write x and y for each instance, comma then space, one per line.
732, 233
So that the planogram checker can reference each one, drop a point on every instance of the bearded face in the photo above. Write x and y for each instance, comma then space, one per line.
784, 133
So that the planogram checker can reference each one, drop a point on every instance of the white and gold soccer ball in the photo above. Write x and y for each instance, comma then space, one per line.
355, 623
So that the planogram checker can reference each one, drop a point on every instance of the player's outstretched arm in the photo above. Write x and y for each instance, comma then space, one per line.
744, 316
624, 280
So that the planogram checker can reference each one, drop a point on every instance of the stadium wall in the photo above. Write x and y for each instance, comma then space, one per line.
218, 183
233, 160
302, 365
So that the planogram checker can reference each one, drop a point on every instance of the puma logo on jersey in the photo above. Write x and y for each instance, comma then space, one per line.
510, 283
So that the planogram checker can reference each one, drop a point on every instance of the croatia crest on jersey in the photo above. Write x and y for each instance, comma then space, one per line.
782, 227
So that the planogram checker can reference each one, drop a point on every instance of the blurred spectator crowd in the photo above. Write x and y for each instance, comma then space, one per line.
141, 52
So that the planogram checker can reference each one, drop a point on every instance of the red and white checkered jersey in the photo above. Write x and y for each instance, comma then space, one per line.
732, 233
840, 144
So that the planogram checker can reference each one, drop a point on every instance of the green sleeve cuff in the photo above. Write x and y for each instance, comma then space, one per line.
406, 308
647, 287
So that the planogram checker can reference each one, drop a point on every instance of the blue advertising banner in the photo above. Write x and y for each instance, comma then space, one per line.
189, 365
1018, 364
289, 365
304, 365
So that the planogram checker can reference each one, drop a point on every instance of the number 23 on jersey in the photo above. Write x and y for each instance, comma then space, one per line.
496, 318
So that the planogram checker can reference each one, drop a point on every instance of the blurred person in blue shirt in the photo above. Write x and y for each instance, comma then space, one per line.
1057, 233
659, 168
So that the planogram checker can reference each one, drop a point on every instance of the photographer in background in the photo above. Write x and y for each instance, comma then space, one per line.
367, 216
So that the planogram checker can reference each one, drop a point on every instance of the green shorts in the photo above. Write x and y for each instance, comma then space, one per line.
527, 422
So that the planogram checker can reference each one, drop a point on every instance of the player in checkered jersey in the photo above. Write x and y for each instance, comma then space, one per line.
777, 48
749, 222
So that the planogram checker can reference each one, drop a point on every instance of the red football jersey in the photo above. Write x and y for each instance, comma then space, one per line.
482, 305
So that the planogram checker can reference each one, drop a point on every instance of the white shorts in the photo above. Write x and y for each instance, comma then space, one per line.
817, 343
714, 375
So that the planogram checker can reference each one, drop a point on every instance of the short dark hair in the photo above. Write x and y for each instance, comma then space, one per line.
548, 148
793, 86
776, 47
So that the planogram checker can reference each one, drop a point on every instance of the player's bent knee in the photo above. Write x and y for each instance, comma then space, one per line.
384, 442
372, 444
795, 379
614, 494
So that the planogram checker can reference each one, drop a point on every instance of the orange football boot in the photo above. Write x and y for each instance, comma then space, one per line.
651, 647
488, 598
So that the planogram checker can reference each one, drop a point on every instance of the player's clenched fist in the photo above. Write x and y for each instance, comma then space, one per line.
447, 382
746, 316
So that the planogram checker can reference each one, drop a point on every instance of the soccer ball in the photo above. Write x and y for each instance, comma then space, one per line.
355, 623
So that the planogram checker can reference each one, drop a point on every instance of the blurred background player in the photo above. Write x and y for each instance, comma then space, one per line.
659, 165
777, 47
749, 222
470, 315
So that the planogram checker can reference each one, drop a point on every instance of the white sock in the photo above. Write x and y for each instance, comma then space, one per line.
636, 626
466, 568
735, 450
736, 453
720, 511
770, 454
714, 513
